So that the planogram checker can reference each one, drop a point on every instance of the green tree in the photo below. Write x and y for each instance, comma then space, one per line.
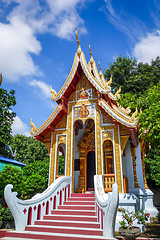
34, 184
38, 167
7, 100
28, 149
12, 175
61, 165
140, 88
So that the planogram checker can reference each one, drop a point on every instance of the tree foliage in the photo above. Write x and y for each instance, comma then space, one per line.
61, 165
28, 149
14, 176
7, 100
140, 87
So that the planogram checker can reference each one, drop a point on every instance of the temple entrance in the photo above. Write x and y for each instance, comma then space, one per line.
91, 170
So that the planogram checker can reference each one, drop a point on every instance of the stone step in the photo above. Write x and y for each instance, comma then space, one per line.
66, 230
61, 223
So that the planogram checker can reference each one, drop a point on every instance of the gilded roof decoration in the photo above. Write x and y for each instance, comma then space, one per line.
46, 123
122, 119
118, 93
134, 115
79, 47
33, 127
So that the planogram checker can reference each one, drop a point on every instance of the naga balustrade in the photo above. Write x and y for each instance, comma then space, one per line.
106, 205
26, 212
109, 180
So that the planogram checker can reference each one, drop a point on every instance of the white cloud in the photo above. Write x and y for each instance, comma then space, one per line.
42, 90
17, 41
24, 21
148, 47
123, 21
18, 127
42, 86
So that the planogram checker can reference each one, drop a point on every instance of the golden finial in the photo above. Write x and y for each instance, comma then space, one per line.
134, 114
54, 93
99, 65
90, 50
91, 59
118, 92
100, 71
110, 81
33, 127
0, 79
79, 47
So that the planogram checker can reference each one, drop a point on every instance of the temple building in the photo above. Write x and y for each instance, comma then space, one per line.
95, 135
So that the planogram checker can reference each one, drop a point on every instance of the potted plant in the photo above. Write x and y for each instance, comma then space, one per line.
127, 230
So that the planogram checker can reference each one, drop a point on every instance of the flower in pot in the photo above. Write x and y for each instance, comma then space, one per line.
127, 230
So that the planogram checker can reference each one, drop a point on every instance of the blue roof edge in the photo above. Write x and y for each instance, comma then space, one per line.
4, 159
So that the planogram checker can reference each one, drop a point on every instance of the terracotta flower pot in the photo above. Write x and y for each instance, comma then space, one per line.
130, 234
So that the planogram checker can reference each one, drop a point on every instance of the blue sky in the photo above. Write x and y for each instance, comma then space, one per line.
38, 43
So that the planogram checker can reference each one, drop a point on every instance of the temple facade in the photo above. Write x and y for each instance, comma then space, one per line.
95, 135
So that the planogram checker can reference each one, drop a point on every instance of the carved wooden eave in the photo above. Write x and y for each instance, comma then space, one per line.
50, 123
121, 118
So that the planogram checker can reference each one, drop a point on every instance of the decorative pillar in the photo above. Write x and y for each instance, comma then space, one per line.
98, 143
69, 142
117, 160
133, 153
142, 148
52, 164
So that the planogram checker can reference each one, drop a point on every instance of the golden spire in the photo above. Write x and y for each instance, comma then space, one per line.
0, 79
100, 72
79, 47
91, 58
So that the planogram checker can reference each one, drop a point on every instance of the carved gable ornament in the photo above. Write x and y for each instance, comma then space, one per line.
83, 112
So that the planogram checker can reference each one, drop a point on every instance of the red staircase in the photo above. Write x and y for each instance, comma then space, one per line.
74, 220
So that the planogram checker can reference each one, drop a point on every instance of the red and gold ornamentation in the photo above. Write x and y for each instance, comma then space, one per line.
83, 112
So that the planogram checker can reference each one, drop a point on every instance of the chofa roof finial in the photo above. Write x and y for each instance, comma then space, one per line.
91, 59
100, 71
79, 47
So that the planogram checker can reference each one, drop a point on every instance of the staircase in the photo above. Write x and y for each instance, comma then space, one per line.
74, 220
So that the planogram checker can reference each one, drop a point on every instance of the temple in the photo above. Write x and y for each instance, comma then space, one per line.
95, 135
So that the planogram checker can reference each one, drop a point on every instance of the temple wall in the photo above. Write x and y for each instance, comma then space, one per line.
129, 165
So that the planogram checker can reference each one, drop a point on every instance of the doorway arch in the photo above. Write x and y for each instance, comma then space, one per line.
91, 170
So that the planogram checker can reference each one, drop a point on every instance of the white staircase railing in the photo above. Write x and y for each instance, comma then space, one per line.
26, 212
106, 206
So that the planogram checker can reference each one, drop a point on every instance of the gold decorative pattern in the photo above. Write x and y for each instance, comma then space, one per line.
63, 123
83, 83
73, 147
33, 127
69, 137
124, 140
106, 119
72, 96
54, 93
133, 153
98, 142
83, 112
142, 148
117, 160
